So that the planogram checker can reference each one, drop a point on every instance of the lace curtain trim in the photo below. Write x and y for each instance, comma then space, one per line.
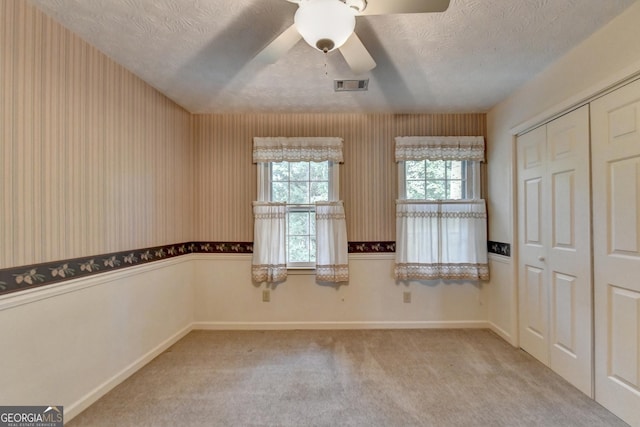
439, 148
441, 271
269, 273
298, 149
332, 273
467, 215
330, 210
467, 209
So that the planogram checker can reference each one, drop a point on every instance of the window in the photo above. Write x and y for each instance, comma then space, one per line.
298, 220
439, 179
440, 218
300, 185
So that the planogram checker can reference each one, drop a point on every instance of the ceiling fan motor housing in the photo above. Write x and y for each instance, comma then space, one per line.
357, 5
325, 24
325, 45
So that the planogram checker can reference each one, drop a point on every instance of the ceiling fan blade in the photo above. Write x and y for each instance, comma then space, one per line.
281, 45
387, 7
357, 55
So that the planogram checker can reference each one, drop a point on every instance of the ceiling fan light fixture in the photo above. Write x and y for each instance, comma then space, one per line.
325, 24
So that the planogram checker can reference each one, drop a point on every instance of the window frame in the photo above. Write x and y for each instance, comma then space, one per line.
265, 195
472, 173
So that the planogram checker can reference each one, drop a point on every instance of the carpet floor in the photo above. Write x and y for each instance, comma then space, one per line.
345, 378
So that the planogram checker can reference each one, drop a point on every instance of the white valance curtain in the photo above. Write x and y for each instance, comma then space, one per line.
298, 149
439, 148
441, 239
269, 258
332, 262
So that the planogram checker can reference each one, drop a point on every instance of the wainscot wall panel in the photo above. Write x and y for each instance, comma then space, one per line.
73, 342
226, 298
225, 177
93, 160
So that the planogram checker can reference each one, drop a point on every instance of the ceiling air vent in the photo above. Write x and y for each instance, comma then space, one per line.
350, 85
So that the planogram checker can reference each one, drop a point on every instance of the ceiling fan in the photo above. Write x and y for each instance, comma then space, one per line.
327, 25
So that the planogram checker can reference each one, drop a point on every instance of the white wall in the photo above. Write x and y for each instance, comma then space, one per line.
607, 57
226, 298
69, 344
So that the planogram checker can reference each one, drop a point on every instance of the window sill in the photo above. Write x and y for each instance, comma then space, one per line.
301, 271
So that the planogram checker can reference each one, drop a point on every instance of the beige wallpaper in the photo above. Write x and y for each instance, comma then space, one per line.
225, 178
92, 159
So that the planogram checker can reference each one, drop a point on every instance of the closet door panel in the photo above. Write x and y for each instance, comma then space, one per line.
569, 250
532, 196
615, 136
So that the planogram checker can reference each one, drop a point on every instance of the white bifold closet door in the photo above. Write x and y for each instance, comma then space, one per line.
554, 242
615, 134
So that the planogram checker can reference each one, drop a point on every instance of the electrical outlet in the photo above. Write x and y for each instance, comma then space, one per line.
406, 297
266, 295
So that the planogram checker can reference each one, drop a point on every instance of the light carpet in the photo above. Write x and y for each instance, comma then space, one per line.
345, 378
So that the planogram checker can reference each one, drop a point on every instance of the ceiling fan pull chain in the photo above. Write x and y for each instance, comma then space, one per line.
326, 69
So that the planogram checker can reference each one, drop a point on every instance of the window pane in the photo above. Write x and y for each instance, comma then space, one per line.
319, 191
441, 180
455, 169
299, 171
298, 248
455, 190
299, 192
279, 191
312, 223
280, 171
414, 169
415, 190
319, 171
435, 169
436, 190
299, 223
312, 248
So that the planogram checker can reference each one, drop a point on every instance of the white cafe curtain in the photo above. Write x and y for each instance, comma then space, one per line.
332, 262
441, 240
269, 258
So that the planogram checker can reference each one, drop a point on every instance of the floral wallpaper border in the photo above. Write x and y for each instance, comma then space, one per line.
36, 275
371, 247
499, 248
221, 247
32, 276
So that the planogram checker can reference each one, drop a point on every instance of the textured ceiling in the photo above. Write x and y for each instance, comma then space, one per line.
200, 52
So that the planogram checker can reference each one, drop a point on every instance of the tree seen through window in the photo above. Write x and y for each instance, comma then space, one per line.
436, 179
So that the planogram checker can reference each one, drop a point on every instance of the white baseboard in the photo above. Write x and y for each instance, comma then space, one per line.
76, 408
502, 333
454, 324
